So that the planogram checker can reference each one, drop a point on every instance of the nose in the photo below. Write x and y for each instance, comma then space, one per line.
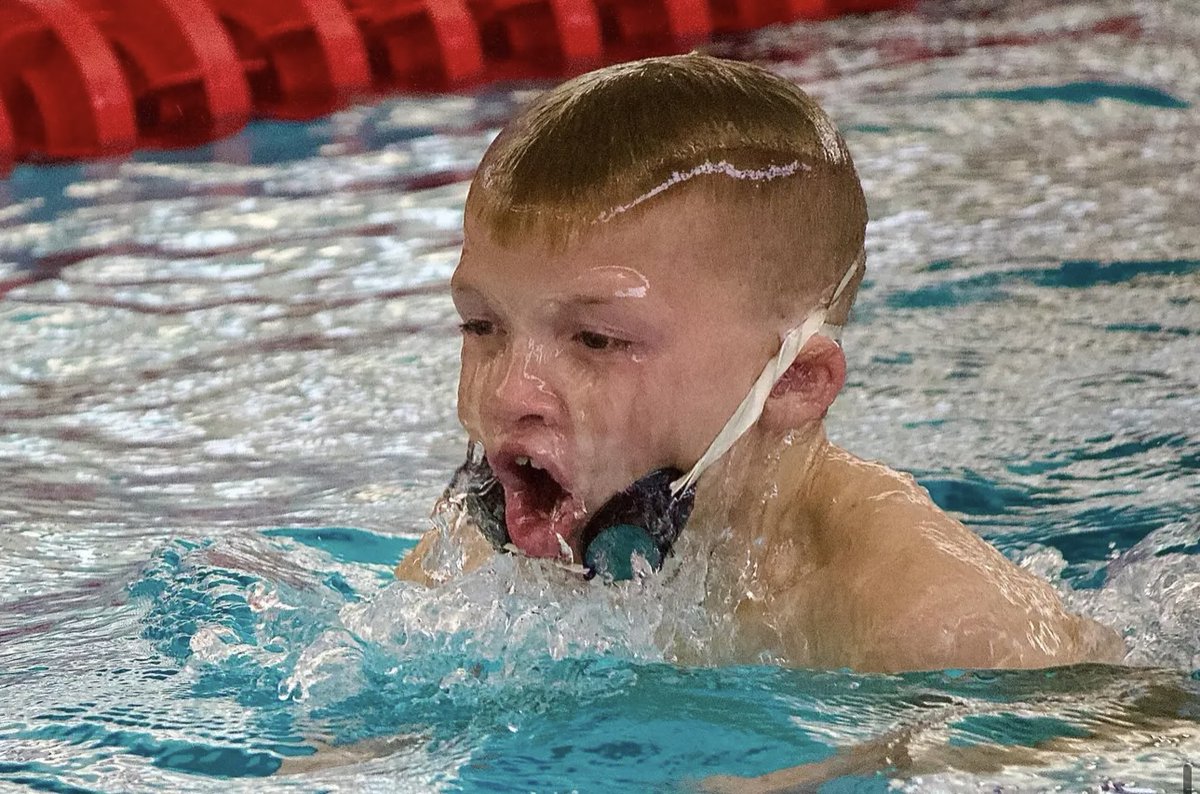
522, 392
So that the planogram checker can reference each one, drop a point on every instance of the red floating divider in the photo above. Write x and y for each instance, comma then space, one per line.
60, 84
810, 9
633, 28
90, 78
8, 144
539, 37
870, 6
182, 69
425, 44
731, 16
302, 58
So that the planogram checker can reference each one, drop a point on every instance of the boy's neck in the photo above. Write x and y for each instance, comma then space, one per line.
760, 493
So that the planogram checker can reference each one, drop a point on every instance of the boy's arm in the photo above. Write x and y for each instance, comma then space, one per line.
443, 554
1118, 723
411, 567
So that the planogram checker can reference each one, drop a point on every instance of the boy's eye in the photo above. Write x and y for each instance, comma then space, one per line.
477, 327
595, 341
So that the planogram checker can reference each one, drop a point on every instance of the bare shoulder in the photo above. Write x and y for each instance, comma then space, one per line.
935, 625
935, 595
880, 518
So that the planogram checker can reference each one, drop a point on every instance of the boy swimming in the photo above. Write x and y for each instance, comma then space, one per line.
657, 259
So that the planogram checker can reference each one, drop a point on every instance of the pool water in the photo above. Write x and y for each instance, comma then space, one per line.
227, 405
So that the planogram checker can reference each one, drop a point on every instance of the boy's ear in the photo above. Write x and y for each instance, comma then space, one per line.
806, 390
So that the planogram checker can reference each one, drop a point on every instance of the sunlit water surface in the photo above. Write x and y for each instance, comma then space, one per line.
227, 404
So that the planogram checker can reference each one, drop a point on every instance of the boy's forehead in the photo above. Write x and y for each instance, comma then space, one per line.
580, 275
621, 255
675, 257
671, 223
592, 284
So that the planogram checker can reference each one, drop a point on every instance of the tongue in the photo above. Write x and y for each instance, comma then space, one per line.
538, 511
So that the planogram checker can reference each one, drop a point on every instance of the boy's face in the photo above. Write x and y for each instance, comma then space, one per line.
584, 370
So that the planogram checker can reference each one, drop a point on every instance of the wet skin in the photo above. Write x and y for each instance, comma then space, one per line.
622, 354
627, 352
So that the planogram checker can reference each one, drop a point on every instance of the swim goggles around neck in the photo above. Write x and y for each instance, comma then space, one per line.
646, 518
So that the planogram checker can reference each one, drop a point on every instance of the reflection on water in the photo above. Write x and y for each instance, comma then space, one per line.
256, 336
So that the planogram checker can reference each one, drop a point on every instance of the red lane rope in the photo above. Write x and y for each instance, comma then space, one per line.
63, 90
302, 58
93, 78
8, 141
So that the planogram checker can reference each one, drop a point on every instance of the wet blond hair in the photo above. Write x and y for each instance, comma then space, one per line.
601, 147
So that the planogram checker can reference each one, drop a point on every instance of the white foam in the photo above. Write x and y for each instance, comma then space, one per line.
1152, 596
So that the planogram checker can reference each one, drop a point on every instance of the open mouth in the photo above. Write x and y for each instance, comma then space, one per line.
541, 513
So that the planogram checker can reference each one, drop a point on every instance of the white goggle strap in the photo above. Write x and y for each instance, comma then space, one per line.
751, 407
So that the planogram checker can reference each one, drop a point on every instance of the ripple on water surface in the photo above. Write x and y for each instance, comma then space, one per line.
227, 383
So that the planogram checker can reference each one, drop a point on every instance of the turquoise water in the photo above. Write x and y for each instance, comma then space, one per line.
227, 404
